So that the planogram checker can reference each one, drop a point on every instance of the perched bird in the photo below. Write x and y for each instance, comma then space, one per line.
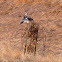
26, 19
32, 34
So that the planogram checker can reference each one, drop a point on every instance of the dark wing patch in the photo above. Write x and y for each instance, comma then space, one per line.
30, 18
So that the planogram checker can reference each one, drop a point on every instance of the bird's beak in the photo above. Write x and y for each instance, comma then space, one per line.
21, 22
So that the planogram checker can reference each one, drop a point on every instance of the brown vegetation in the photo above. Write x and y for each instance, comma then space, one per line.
33, 36
47, 13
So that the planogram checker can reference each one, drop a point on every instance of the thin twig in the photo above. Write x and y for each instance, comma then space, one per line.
26, 38
44, 39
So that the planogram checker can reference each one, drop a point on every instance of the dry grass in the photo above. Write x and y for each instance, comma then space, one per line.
12, 40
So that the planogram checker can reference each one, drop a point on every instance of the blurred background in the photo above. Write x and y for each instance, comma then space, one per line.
47, 13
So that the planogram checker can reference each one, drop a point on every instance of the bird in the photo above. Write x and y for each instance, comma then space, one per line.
26, 19
32, 33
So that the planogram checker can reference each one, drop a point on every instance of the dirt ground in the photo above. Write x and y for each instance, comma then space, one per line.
49, 17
